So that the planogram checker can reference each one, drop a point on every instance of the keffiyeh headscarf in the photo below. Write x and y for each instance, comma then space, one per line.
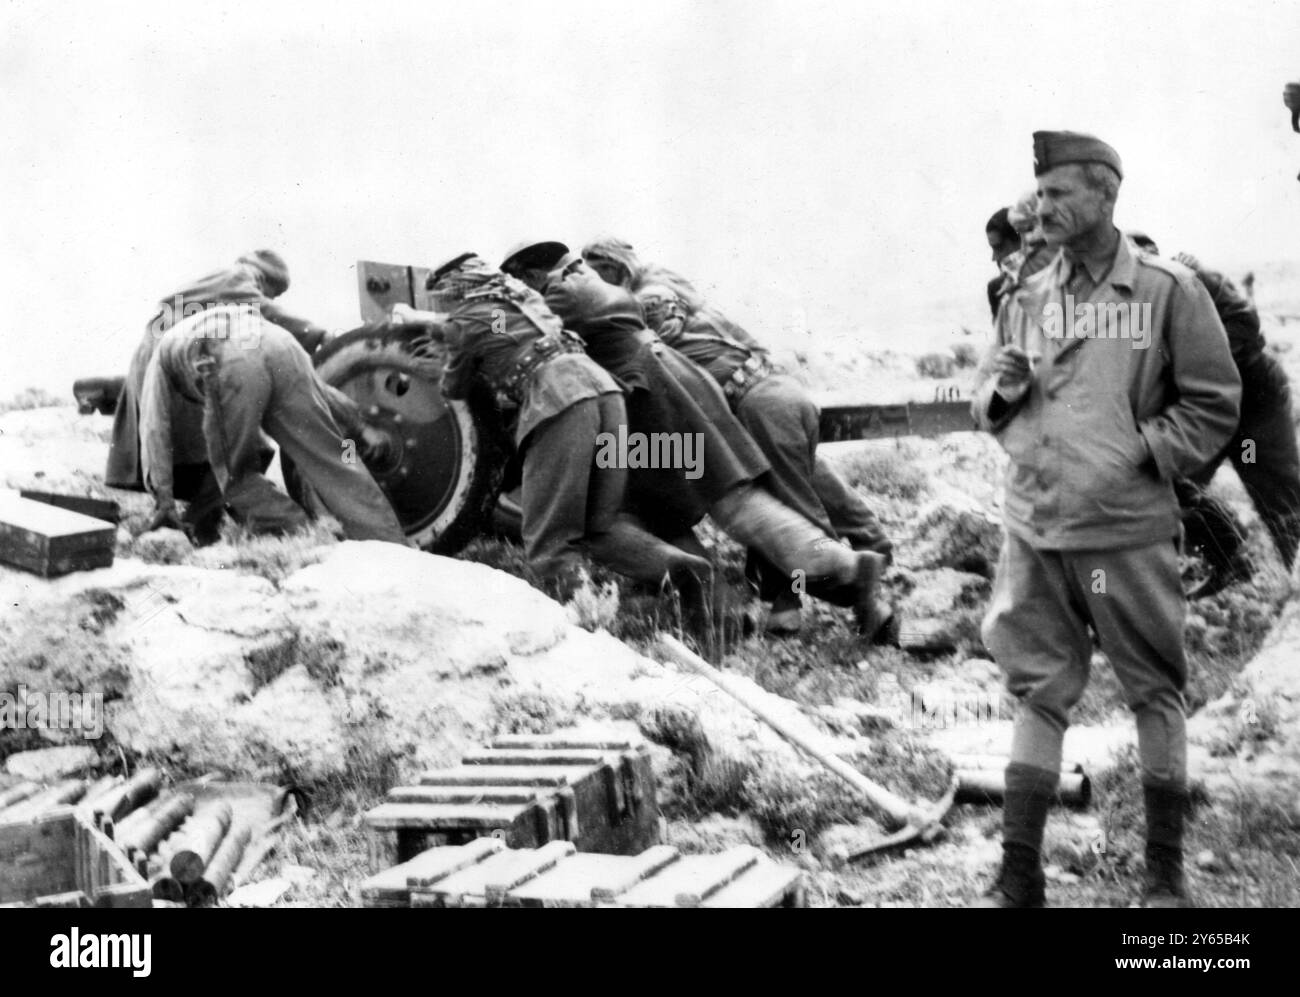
469, 278
641, 275
271, 269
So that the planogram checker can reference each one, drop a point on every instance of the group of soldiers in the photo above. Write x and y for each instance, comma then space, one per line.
1105, 435
578, 349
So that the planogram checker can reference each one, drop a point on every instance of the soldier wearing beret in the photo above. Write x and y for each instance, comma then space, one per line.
1098, 422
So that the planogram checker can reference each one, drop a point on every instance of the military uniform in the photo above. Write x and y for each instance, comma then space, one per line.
254, 279
1263, 451
501, 334
1108, 423
670, 394
247, 376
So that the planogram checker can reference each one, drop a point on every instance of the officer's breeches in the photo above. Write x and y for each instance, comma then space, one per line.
1037, 630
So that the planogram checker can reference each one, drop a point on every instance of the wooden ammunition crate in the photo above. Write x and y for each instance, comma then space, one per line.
485, 873
58, 859
50, 541
96, 508
528, 790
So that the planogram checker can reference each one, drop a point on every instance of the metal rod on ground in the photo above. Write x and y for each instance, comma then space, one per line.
999, 762
894, 806
200, 839
16, 794
138, 790
216, 877
144, 834
989, 786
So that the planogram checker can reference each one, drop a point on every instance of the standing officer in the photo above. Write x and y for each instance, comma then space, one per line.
1098, 426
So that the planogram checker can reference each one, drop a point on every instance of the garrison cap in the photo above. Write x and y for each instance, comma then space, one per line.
1053, 149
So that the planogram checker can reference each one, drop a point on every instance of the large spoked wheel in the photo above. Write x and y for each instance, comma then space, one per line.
444, 461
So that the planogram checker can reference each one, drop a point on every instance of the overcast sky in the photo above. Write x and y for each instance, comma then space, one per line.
838, 159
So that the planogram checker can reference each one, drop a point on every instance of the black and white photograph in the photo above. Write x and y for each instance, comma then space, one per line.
703, 453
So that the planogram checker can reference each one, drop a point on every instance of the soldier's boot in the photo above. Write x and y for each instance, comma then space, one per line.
785, 618
632, 551
1166, 884
1020, 881
754, 518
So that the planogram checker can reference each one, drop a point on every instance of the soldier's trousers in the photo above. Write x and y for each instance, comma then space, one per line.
1264, 454
565, 497
1036, 629
271, 386
785, 423
797, 548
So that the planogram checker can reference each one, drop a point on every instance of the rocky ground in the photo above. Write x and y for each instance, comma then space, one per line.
348, 667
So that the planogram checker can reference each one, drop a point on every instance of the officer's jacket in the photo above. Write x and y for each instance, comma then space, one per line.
489, 337
1109, 421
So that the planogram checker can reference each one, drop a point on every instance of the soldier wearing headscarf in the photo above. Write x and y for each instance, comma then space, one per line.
499, 334
668, 394
256, 278
249, 379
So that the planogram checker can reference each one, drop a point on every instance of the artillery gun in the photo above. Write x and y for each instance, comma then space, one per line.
445, 461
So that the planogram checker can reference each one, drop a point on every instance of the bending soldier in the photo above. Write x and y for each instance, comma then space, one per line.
245, 375
500, 333
773, 406
256, 279
669, 395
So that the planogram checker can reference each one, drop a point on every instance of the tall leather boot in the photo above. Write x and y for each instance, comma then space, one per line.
634, 552
754, 518
1020, 881
1167, 804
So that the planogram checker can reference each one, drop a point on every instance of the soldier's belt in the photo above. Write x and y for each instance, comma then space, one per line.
538, 353
748, 374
